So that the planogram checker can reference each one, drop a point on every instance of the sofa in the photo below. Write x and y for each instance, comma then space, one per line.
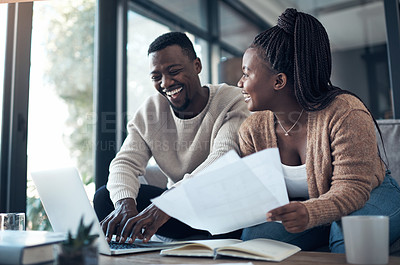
390, 130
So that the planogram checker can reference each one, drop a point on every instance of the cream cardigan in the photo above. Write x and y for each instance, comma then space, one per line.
342, 160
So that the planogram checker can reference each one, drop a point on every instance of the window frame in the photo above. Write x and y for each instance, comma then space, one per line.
392, 16
13, 181
110, 80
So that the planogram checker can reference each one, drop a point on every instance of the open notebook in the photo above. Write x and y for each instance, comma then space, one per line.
65, 202
257, 249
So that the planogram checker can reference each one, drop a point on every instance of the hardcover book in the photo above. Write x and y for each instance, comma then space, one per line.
28, 247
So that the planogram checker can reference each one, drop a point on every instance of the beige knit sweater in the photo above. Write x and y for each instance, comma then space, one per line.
181, 147
342, 160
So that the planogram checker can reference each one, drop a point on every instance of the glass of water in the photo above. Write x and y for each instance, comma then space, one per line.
12, 221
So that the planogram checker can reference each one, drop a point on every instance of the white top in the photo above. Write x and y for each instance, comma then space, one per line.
296, 181
181, 147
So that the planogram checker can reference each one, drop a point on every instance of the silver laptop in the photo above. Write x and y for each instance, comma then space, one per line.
65, 202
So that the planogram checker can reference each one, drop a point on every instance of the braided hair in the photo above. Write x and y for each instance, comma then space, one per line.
173, 38
299, 47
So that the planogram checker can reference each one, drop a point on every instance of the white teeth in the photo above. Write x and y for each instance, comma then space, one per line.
246, 97
175, 91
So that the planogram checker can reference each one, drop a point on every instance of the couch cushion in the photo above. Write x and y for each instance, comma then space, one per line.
391, 136
390, 130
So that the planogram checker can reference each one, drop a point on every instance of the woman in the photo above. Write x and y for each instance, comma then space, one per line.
325, 135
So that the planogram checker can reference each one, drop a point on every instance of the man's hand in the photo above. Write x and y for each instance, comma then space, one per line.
294, 216
144, 225
115, 221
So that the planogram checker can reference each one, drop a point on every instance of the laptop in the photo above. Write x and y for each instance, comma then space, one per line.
65, 202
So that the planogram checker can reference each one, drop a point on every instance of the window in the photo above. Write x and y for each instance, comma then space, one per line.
61, 95
141, 32
201, 48
357, 32
235, 30
214, 39
60, 107
359, 57
192, 11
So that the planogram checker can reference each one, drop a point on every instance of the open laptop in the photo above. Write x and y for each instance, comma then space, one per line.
65, 202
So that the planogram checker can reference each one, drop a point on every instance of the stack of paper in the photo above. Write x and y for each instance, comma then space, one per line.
230, 194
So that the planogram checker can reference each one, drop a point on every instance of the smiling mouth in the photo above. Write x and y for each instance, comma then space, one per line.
172, 93
246, 96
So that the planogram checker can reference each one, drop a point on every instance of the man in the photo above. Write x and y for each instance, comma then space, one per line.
185, 128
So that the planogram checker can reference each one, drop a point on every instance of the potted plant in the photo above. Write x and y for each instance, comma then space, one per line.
81, 249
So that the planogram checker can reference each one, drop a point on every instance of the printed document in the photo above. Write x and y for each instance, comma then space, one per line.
230, 194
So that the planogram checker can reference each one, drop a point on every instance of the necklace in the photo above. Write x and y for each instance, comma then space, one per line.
294, 124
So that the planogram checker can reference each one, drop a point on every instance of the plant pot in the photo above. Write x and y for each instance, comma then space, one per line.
88, 255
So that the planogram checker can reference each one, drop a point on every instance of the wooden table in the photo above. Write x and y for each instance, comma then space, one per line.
300, 258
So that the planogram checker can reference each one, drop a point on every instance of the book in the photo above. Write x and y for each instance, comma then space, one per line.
256, 249
28, 247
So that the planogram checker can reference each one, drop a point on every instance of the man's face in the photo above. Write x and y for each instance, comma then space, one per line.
175, 76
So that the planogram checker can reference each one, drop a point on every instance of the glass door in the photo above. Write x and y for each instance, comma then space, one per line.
61, 95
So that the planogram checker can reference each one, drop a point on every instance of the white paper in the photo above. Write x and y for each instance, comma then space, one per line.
230, 194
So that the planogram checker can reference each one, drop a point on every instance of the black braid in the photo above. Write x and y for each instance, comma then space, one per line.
299, 47
173, 38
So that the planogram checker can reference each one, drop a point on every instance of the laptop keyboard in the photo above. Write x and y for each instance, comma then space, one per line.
115, 245
138, 244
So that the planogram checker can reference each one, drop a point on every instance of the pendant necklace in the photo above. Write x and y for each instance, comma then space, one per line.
294, 124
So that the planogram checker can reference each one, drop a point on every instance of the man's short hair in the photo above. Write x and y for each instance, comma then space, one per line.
173, 38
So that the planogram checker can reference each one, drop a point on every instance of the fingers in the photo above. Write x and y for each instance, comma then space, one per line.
116, 220
295, 225
105, 221
159, 218
134, 226
294, 216
290, 207
108, 225
287, 217
144, 225
141, 226
126, 232
278, 213
120, 227
149, 232
111, 227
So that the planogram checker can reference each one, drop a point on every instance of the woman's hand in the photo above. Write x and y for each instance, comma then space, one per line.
294, 216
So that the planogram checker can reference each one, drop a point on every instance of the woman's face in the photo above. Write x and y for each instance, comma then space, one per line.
257, 81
